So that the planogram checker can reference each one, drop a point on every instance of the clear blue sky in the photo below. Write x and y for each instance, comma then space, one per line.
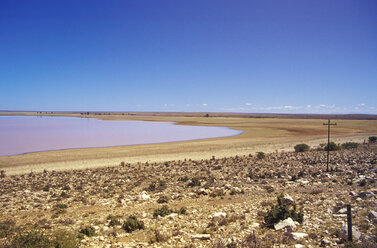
299, 56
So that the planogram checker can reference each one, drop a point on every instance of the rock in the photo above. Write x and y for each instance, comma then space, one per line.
298, 236
372, 216
144, 196
172, 216
299, 246
287, 224
342, 211
366, 194
218, 216
325, 242
288, 200
356, 235
237, 190
201, 236
202, 191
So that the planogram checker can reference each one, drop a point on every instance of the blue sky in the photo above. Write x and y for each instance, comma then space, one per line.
288, 56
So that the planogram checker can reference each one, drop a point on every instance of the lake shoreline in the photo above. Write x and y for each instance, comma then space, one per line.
260, 134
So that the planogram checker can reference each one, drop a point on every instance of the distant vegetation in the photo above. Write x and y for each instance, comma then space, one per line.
332, 147
301, 148
261, 155
350, 145
372, 139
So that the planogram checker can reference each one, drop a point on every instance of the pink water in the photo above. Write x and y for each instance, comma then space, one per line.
22, 134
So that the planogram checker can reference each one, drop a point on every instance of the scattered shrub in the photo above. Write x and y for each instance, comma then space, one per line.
162, 183
2, 174
282, 211
261, 155
372, 139
332, 147
132, 223
7, 228
46, 188
163, 199
182, 210
88, 231
30, 238
350, 145
158, 237
301, 148
163, 211
60, 206
65, 239
195, 181
152, 186
114, 220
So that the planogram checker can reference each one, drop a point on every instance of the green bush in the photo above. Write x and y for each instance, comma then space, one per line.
350, 145
132, 223
114, 220
35, 238
372, 139
30, 239
332, 146
261, 155
182, 210
7, 228
65, 239
88, 231
282, 211
152, 186
163, 211
301, 148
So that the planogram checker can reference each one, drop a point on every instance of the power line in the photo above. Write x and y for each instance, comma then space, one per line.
328, 124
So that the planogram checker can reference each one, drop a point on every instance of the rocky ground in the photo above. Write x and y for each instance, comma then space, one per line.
207, 203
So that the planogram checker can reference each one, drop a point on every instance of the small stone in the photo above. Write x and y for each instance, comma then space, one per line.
288, 200
299, 246
298, 236
356, 235
218, 216
342, 211
287, 224
201, 236
144, 196
372, 216
325, 242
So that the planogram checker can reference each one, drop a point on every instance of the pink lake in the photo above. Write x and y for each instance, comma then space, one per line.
25, 134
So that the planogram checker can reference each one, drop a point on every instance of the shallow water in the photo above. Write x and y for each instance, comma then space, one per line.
25, 134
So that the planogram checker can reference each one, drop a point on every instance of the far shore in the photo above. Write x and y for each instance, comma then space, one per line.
274, 133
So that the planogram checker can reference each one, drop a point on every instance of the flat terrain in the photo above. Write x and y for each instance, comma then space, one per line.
225, 202
265, 133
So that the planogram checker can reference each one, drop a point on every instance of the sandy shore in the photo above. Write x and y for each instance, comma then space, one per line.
260, 134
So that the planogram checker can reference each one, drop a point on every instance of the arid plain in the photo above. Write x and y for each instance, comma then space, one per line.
203, 193
261, 132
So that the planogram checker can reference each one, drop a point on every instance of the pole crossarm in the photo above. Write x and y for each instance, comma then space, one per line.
328, 124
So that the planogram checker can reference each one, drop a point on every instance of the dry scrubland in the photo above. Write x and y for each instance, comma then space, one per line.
266, 133
208, 203
203, 193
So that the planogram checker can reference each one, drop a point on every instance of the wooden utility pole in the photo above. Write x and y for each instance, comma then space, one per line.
328, 124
